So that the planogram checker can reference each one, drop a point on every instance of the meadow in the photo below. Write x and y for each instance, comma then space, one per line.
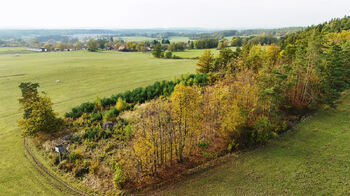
83, 76
195, 53
312, 159
14, 50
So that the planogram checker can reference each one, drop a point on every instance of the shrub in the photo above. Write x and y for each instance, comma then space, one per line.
73, 156
176, 57
119, 178
89, 145
76, 138
203, 145
94, 167
168, 55
54, 158
104, 134
91, 134
78, 111
262, 130
121, 105
128, 131
96, 117
81, 168
110, 115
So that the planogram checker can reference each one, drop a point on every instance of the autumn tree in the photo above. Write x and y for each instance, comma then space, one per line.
205, 62
185, 106
78, 45
92, 45
38, 116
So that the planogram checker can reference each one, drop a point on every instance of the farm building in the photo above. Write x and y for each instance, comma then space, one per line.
37, 49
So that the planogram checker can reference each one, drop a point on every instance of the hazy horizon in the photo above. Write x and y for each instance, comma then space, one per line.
157, 14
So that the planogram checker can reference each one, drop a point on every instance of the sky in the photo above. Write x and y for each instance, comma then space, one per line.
126, 14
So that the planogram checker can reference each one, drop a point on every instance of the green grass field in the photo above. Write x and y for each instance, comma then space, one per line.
83, 76
313, 159
14, 50
136, 38
179, 39
195, 53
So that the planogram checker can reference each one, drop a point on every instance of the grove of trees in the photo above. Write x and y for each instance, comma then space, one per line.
238, 99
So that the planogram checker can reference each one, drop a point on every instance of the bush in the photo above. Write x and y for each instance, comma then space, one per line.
96, 117
262, 130
119, 178
203, 145
168, 55
54, 158
78, 111
94, 167
128, 131
110, 115
76, 138
73, 156
91, 134
121, 105
81, 169
176, 57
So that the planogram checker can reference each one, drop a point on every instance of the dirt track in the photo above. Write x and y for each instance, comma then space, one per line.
51, 178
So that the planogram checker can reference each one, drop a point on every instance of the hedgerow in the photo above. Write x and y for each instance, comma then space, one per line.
140, 95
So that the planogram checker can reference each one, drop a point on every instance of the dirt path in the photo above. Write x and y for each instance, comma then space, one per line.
51, 178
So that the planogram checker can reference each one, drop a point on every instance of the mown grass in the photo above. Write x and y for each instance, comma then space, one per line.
312, 159
14, 50
83, 76
194, 53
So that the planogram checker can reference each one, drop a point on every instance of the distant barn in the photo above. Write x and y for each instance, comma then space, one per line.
37, 49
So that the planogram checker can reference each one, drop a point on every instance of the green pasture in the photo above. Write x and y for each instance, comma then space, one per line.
195, 53
14, 50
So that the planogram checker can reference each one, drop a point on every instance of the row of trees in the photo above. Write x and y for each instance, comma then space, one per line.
262, 39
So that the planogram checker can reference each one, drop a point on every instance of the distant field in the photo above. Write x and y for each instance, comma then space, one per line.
136, 38
191, 53
83, 76
196, 52
178, 39
313, 159
14, 50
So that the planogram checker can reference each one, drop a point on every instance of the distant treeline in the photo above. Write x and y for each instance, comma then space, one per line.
58, 35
